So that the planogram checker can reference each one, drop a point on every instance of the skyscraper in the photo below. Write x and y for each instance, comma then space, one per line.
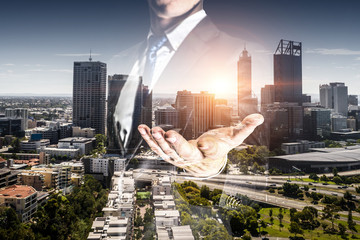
196, 112
340, 98
288, 72
17, 113
267, 95
89, 95
246, 103
334, 96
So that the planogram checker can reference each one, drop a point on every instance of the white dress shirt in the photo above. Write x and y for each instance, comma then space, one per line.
175, 37
125, 106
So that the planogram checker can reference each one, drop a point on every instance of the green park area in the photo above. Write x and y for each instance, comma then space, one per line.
278, 224
143, 195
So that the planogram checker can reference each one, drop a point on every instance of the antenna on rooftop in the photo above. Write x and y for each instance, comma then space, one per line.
90, 59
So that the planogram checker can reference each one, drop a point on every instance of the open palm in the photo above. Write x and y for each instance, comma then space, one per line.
204, 156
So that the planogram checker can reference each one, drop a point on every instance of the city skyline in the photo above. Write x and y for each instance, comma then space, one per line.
42, 40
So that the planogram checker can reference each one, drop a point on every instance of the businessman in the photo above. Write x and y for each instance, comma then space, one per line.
183, 46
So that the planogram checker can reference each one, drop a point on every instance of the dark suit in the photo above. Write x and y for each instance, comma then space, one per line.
204, 54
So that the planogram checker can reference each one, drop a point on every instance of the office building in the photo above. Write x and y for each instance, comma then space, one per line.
222, 116
11, 126
338, 122
246, 103
28, 145
18, 113
288, 72
196, 112
317, 123
83, 132
353, 100
267, 95
326, 96
167, 115
21, 198
283, 123
50, 133
340, 98
85, 145
89, 95
335, 96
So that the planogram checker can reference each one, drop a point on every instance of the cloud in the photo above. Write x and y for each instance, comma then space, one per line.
9, 64
358, 58
77, 54
52, 70
335, 51
264, 51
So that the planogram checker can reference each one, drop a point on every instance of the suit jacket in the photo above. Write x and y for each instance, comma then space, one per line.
206, 54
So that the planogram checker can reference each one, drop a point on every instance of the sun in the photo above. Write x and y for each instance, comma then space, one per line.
221, 88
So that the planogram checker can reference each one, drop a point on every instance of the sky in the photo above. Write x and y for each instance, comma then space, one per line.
40, 40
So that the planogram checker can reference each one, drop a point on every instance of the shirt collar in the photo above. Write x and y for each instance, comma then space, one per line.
177, 35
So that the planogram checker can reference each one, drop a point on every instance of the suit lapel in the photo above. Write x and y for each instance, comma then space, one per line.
191, 50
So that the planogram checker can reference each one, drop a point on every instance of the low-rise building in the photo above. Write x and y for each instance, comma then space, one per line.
60, 152
22, 198
167, 218
85, 145
119, 210
33, 179
8, 177
300, 146
83, 132
161, 186
43, 157
28, 145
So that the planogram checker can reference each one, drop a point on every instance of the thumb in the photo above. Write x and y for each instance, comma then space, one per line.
246, 127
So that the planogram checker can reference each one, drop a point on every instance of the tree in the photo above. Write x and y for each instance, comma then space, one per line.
292, 190
342, 229
15, 144
205, 192
255, 167
244, 169
337, 180
295, 228
348, 195
330, 212
314, 177
335, 172
100, 143
350, 221
262, 225
324, 226
324, 178
280, 217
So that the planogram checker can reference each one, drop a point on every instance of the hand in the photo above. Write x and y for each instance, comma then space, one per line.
204, 156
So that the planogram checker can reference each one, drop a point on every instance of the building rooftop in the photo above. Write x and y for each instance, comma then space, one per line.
345, 155
182, 232
17, 191
167, 213
76, 139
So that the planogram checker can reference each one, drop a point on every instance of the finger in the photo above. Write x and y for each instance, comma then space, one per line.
158, 135
184, 148
146, 135
246, 127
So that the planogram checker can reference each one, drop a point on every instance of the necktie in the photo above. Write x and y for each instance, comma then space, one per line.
154, 44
